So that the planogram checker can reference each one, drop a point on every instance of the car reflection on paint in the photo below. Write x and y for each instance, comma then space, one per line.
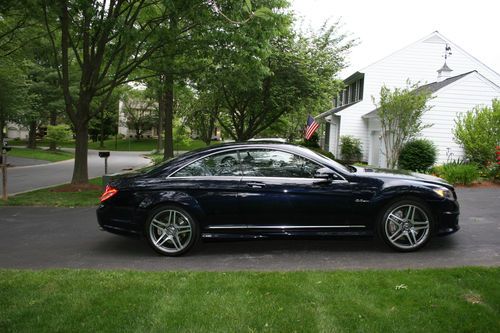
273, 190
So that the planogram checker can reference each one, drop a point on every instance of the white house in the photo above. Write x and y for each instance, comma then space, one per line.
462, 83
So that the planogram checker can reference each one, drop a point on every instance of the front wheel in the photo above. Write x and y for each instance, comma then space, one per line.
406, 225
171, 231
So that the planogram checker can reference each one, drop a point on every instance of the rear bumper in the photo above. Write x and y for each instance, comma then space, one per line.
111, 220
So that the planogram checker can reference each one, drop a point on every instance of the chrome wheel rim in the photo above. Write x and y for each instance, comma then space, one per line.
407, 227
170, 231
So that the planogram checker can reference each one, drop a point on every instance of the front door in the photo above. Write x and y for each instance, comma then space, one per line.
278, 191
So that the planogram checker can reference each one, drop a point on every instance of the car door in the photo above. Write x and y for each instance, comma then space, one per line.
214, 182
279, 190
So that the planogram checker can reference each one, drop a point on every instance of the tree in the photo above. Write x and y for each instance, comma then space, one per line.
99, 44
286, 76
14, 95
478, 132
400, 112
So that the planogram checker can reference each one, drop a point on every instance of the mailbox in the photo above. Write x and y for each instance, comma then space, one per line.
104, 154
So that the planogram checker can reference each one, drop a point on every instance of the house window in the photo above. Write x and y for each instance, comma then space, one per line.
353, 93
360, 90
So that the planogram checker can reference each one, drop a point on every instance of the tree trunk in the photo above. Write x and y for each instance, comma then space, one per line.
32, 135
101, 144
2, 125
80, 170
159, 127
53, 122
168, 117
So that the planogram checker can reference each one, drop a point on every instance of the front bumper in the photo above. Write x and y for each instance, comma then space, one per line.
448, 218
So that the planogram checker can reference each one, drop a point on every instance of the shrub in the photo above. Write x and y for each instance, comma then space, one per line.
58, 133
417, 155
478, 132
456, 173
313, 141
323, 152
350, 149
492, 171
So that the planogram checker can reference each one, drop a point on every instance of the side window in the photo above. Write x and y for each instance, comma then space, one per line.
224, 164
275, 163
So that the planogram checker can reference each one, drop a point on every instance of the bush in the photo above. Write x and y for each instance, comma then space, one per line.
323, 152
350, 149
58, 133
492, 171
457, 173
478, 132
313, 141
417, 155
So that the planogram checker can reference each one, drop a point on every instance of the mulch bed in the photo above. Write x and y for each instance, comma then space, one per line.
483, 184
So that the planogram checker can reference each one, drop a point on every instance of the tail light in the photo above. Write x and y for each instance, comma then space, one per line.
109, 191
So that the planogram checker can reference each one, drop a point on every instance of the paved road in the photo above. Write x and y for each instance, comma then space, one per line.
21, 161
27, 178
69, 238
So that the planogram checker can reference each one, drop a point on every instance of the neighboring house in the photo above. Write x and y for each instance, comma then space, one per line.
15, 131
137, 113
462, 83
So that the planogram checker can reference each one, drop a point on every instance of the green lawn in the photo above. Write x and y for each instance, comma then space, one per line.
121, 145
434, 300
52, 197
41, 154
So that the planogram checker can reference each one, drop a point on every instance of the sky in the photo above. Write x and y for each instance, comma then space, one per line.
385, 26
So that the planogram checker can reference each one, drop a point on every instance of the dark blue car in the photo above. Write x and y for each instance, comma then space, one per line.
268, 190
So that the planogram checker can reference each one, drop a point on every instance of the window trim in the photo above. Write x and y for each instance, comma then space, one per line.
238, 149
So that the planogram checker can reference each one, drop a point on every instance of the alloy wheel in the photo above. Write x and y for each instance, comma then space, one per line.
170, 231
407, 227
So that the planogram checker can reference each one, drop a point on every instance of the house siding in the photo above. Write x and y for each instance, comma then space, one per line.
418, 62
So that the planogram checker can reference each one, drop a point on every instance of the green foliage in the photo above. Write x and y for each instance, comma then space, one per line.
492, 171
400, 112
417, 155
478, 132
458, 173
350, 149
313, 141
325, 153
58, 133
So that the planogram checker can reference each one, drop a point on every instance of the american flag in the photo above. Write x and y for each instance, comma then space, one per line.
311, 127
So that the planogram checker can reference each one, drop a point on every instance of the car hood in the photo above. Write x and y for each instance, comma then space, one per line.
400, 174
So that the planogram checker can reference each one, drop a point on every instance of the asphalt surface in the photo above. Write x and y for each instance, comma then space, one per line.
38, 238
21, 161
27, 178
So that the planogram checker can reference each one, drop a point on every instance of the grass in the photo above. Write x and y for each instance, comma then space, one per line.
121, 145
54, 197
431, 300
41, 154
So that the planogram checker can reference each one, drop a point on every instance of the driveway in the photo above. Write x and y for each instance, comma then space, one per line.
26, 178
69, 238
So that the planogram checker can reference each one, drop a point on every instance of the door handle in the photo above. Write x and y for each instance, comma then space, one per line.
256, 185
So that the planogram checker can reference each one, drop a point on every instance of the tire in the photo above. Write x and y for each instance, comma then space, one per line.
171, 230
406, 225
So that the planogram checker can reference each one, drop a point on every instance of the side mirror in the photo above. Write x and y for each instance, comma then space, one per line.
324, 173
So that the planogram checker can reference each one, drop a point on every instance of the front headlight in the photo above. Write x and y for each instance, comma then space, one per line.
443, 193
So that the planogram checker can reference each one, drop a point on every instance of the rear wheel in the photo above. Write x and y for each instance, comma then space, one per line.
406, 225
171, 231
